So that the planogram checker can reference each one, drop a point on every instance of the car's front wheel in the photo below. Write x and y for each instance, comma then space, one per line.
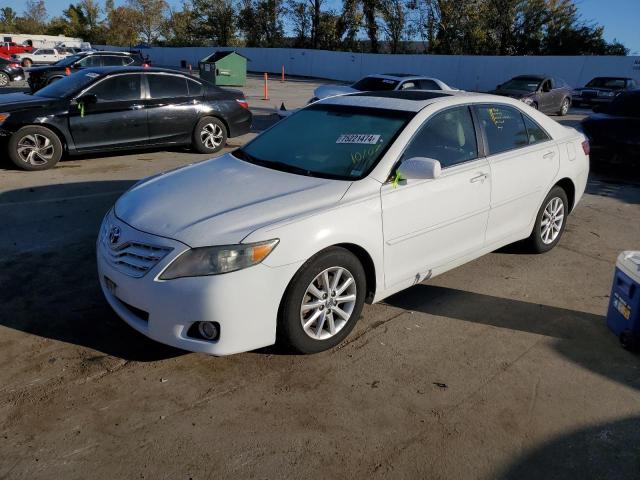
550, 221
323, 301
35, 148
210, 135
4, 79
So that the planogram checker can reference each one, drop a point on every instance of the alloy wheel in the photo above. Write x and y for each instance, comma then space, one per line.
4, 79
211, 136
35, 149
565, 106
552, 220
328, 303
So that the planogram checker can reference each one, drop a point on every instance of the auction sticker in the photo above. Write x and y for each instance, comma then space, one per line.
358, 138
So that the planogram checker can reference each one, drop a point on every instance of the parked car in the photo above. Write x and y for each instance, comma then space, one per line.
10, 71
115, 108
614, 130
381, 82
45, 75
350, 199
547, 94
39, 56
601, 90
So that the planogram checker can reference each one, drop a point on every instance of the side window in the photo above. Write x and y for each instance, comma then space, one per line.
428, 85
408, 85
448, 137
504, 128
91, 61
119, 88
195, 88
113, 61
546, 86
535, 133
48, 52
167, 86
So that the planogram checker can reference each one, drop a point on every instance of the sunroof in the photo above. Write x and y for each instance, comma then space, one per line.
403, 95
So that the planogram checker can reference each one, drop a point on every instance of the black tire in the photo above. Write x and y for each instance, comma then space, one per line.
50, 151
291, 332
215, 142
27, 62
4, 79
564, 106
536, 241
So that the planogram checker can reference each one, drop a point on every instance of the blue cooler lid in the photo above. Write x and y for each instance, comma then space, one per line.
629, 263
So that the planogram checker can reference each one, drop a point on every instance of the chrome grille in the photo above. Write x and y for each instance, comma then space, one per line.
129, 257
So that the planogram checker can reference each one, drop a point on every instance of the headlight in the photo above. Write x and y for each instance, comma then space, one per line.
202, 261
606, 94
527, 100
3, 117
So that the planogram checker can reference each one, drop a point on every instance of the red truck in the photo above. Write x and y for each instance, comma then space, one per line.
9, 48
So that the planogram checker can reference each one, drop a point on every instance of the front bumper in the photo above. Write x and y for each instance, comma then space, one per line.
244, 303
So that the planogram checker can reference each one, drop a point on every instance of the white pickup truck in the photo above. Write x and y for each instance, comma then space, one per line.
40, 56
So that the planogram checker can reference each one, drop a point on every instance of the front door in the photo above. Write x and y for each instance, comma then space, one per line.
117, 119
430, 223
172, 109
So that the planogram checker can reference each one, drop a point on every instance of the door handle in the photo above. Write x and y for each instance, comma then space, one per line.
137, 107
549, 155
479, 178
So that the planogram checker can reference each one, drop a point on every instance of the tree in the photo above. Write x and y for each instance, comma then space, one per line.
8, 18
260, 21
214, 21
300, 16
33, 19
370, 13
122, 26
349, 24
180, 29
150, 15
393, 14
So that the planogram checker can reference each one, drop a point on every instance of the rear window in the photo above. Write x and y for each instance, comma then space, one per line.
369, 84
167, 86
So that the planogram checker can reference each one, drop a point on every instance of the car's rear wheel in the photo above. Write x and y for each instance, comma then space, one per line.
323, 301
4, 79
210, 135
35, 148
550, 221
564, 107
27, 63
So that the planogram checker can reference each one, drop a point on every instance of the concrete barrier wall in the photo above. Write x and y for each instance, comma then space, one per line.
462, 71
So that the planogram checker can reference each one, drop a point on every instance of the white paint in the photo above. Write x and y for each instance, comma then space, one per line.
476, 73
411, 231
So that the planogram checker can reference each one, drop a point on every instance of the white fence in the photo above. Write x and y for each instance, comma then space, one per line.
461, 71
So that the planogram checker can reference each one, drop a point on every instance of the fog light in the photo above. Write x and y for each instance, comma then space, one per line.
208, 330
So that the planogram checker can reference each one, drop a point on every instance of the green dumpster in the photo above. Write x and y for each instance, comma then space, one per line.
224, 68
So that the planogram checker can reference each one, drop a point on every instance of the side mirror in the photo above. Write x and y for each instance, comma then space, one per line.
420, 168
88, 99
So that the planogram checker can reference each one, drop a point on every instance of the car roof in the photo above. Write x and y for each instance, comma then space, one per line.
105, 52
536, 76
399, 76
107, 70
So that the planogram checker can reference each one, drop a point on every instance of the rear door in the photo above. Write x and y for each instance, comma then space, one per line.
172, 108
524, 160
117, 119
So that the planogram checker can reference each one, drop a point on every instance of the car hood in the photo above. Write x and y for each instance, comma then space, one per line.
332, 90
513, 93
222, 200
598, 89
17, 101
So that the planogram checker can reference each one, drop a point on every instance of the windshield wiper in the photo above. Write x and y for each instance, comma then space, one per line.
272, 164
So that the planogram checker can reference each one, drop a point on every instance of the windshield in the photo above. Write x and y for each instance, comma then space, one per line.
370, 84
603, 82
67, 86
328, 141
527, 84
68, 60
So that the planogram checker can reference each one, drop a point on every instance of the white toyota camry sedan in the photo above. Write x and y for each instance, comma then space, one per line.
349, 200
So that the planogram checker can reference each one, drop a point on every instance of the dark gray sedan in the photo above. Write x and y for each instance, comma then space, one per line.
547, 94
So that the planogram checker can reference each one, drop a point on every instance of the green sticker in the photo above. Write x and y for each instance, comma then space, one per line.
396, 179
81, 108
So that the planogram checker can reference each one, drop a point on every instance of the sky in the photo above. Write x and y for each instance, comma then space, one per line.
619, 17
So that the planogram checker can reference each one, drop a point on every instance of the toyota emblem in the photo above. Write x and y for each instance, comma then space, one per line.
114, 235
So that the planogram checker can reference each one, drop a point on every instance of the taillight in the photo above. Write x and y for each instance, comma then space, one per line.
145, 65
586, 147
243, 103
67, 71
